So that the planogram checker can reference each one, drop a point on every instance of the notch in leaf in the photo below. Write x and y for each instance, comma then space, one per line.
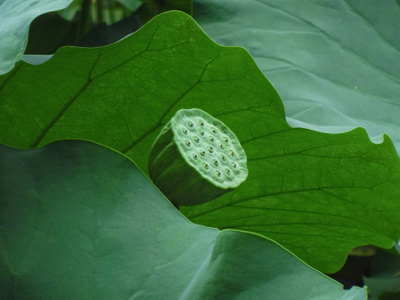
196, 158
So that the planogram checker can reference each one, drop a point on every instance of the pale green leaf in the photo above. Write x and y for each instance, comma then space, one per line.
79, 221
15, 18
334, 63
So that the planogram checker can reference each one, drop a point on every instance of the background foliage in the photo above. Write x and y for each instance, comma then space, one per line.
334, 63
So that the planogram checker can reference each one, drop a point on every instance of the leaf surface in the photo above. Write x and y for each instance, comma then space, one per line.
319, 195
80, 221
334, 63
15, 18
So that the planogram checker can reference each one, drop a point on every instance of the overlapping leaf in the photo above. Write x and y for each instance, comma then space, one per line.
15, 18
334, 63
79, 221
317, 194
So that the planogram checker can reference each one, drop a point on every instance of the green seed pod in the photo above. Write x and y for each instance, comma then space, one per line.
196, 158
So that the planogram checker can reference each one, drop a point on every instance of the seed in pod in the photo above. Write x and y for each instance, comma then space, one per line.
191, 159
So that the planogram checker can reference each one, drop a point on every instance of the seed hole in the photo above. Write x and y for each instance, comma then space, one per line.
184, 130
195, 156
190, 124
221, 146
196, 139
234, 165
210, 149
187, 143
226, 140
228, 171
202, 153
215, 162
202, 133
223, 157
206, 166
233, 154
201, 123
218, 173
211, 138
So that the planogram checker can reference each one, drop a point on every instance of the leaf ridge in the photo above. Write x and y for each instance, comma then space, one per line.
43, 133
168, 111
356, 12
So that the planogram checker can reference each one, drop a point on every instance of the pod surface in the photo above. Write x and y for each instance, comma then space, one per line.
196, 156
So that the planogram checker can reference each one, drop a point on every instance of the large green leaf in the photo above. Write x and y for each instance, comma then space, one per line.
79, 221
15, 18
334, 63
317, 194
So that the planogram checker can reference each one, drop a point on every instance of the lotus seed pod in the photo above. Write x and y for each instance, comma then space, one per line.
196, 158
